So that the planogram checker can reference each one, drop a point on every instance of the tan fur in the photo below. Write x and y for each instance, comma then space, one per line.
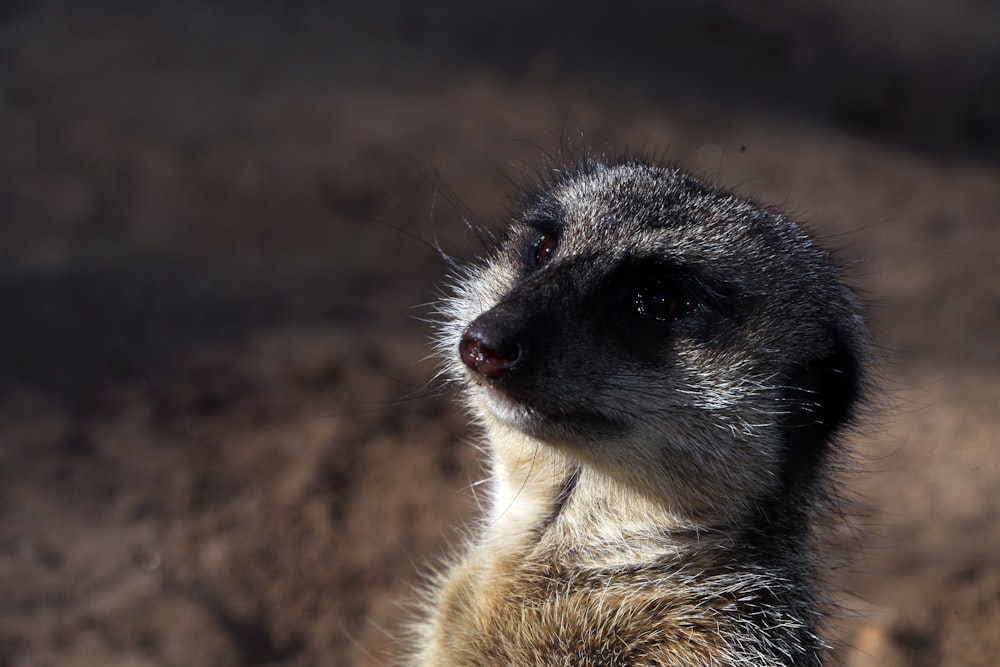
591, 591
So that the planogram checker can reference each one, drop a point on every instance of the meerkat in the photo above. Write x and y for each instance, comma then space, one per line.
661, 371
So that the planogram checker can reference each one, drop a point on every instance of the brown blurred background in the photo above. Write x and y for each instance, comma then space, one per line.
216, 442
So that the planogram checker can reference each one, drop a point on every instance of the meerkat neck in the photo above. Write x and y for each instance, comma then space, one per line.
545, 497
529, 482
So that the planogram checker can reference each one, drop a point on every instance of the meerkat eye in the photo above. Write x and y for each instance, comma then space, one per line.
545, 247
659, 300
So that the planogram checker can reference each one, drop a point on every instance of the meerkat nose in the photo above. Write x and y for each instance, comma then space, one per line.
482, 352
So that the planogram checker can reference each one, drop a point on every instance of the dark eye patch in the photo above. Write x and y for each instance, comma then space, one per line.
661, 299
653, 300
689, 287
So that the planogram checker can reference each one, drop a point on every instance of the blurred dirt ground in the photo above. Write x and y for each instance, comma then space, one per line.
217, 442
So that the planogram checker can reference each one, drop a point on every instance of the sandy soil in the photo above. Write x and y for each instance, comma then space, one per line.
217, 441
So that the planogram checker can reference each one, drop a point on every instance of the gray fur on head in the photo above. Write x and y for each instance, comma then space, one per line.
702, 409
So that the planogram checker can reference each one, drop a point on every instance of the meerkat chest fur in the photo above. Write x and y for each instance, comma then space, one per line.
661, 371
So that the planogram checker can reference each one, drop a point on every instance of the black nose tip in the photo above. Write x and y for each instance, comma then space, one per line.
485, 354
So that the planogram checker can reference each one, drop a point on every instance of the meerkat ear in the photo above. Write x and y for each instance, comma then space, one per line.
817, 400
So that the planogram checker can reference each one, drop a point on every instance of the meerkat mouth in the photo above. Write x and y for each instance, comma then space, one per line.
537, 419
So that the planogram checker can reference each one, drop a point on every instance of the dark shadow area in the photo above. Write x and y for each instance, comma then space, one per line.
916, 74
71, 332
920, 74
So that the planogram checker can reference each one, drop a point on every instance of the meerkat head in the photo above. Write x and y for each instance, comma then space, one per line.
693, 345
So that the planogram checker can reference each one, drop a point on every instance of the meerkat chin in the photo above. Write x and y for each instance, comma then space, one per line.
661, 371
